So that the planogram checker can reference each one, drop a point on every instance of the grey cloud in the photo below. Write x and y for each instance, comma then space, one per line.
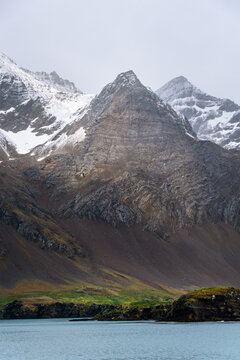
90, 42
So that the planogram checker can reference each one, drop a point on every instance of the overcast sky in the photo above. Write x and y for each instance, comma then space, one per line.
91, 41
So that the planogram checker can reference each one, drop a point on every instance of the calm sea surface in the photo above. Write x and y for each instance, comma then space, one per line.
58, 339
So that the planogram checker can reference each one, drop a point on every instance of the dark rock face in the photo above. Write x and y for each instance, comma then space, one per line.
3, 250
18, 209
7, 149
30, 113
103, 312
212, 118
207, 305
12, 96
17, 310
121, 313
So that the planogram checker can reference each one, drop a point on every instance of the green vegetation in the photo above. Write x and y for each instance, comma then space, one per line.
5, 299
93, 295
100, 295
207, 293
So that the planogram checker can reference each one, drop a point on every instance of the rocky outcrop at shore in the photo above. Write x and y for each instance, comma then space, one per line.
213, 304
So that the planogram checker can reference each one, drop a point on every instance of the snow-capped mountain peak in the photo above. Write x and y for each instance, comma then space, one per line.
6, 62
212, 118
35, 106
124, 80
179, 85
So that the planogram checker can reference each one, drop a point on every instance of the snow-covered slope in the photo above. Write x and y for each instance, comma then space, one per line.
34, 107
213, 119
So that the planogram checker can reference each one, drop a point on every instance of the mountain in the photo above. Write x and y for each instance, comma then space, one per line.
35, 106
130, 198
213, 119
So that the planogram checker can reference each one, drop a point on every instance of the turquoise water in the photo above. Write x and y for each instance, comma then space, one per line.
58, 339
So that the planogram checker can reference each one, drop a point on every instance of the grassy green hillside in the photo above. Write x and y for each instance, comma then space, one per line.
91, 295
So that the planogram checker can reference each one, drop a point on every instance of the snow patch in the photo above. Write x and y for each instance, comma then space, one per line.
7, 111
187, 133
25, 140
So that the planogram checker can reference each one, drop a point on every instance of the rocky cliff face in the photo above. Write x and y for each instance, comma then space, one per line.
213, 119
41, 310
215, 304
7, 149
